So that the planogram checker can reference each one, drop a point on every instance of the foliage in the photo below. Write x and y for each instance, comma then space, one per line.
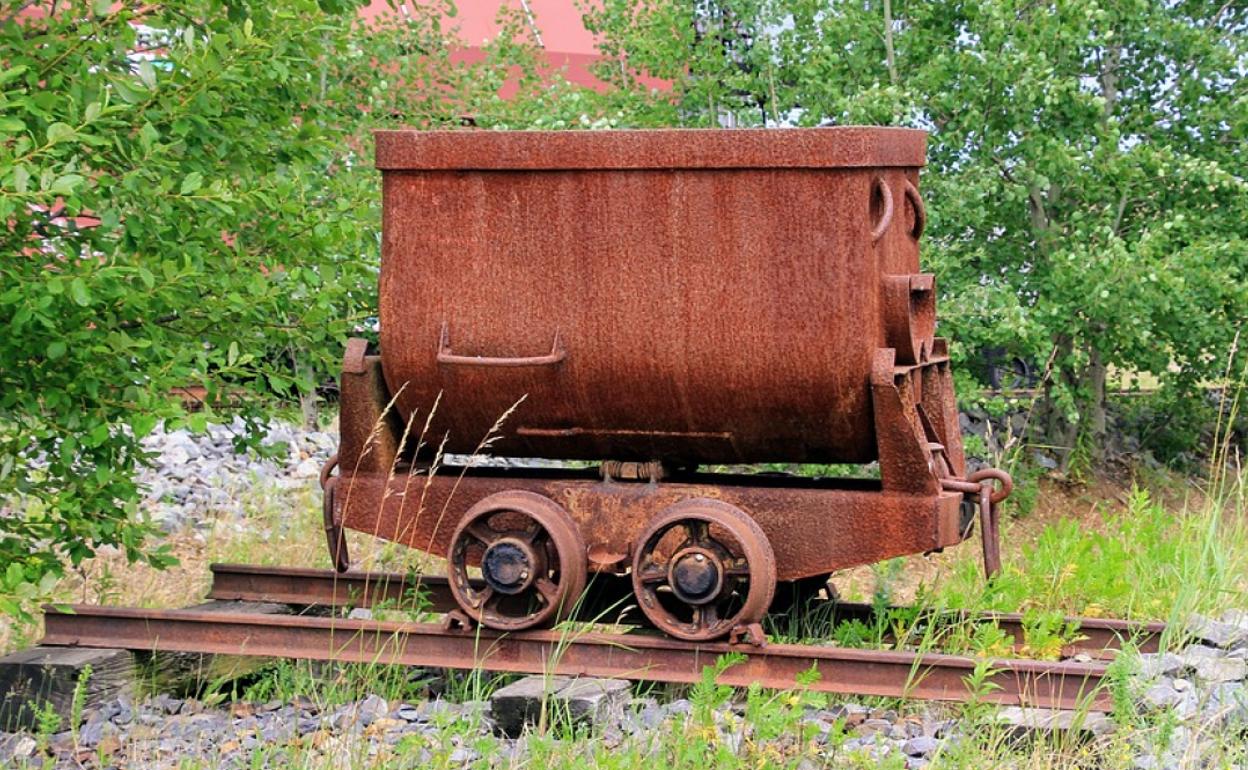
189, 198
1142, 562
1084, 194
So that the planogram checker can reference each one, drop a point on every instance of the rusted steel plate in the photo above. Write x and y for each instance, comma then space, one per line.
626, 656
692, 296
814, 528
303, 586
835, 147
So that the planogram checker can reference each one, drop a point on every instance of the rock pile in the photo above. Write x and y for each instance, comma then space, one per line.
195, 475
1199, 695
1202, 689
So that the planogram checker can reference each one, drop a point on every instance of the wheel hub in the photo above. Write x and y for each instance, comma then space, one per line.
695, 575
508, 566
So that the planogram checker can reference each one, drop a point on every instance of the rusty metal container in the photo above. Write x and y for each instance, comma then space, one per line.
679, 295
655, 301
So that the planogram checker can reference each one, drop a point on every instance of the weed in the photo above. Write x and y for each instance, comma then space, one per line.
47, 724
1141, 562
976, 710
78, 701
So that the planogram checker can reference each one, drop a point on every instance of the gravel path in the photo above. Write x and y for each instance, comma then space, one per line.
1199, 694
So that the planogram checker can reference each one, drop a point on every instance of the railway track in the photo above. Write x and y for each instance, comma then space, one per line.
637, 654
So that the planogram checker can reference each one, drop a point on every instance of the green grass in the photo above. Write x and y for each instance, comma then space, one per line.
1140, 562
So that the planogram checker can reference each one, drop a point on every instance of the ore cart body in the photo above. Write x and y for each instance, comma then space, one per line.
653, 302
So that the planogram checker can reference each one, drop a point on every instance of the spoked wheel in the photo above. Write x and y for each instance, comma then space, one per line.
532, 560
703, 568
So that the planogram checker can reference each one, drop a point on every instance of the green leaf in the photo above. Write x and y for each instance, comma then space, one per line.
142, 424
127, 91
101, 7
93, 111
12, 73
197, 422
58, 132
147, 73
192, 182
56, 350
232, 354
21, 179
146, 277
64, 185
14, 576
98, 436
148, 136
11, 125
78, 292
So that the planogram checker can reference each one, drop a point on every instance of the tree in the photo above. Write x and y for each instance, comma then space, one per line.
1087, 206
189, 197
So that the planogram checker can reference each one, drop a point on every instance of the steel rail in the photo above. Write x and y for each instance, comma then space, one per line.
307, 587
1064, 685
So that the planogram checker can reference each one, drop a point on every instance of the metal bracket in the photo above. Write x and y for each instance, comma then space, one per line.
750, 635
335, 535
980, 483
457, 620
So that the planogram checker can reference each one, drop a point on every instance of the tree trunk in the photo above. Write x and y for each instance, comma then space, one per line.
1093, 406
308, 406
1088, 386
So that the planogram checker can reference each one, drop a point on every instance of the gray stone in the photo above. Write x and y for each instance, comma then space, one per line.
1162, 695
16, 746
851, 713
462, 756
1032, 720
678, 707
871, 726
650, 714
520, 703
307, 725
597, 702
1153, 665
430, 709
1214, 632
1237, 618
174, 457
1045, 460
920, 747
1222, 669
308, 469
1188, 706
372, 708
1230, 700
93, 732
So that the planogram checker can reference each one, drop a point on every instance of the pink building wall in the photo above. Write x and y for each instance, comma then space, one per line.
568, 45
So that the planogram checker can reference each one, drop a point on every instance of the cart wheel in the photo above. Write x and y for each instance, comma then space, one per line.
532, 560
703, 568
